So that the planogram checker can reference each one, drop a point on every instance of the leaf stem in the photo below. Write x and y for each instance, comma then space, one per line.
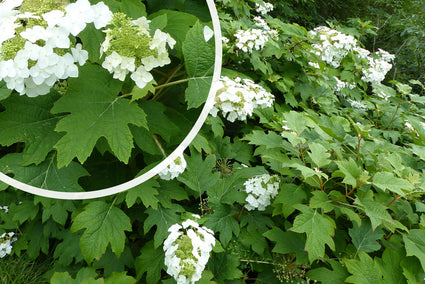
167, 82
171, 84
159, 145
257, 261
240, 212
359, 137
394, 200
348, 193
393, 117
301, 152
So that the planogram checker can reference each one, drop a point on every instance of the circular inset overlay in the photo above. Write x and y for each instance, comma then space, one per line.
163, 164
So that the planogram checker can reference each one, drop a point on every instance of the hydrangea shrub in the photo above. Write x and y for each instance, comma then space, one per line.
308, 170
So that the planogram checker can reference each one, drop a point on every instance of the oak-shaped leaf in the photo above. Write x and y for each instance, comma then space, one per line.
96, 111
104, 224
199, 62
47, 175
319, 228
162, 218
151, 261
364, 270
29, 120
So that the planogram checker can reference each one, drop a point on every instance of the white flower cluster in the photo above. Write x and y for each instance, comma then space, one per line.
238, 98
4, 208
187, 250
261, 189
264, 7
341, 85
6, 241
333, 46
378, 67
357, 104
174, 169
409, 127
153, 53
380, 93
46, 54
254, 38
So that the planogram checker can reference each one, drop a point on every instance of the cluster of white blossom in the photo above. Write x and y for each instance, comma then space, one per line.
261, 189
187, 250
4, 208
6, 241
357, 104
254, 38
174, 169
409, 127
285, 127
238, 98
333, 46
34, 56
264, 7
380, 93
378, 67
130, 48
341, 85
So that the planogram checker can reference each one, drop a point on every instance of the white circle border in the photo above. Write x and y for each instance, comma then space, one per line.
154, 171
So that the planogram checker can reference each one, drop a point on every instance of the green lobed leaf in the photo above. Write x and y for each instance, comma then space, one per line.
351, 171
110, 263
91, 39
377, 213
286, 242
289, 195
47, 175
4, 91
147, 192
162, 218
412, 270
364, 270
319, 229
256, 225
387, 180
390, 265
224, 266
38, 239
199, 59
95, 111
151, 261
159, 122
28, 120
120, 277
319, 154
133, 8
223, 222
365, 238
170, 190
415, 245
326, 276
320, 199
56, 209
198, 175
25, 211
138, 93
68, 250
83, 276
104, 224
270, 139
231, 189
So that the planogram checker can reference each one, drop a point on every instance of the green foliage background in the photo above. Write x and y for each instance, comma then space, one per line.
350, 205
